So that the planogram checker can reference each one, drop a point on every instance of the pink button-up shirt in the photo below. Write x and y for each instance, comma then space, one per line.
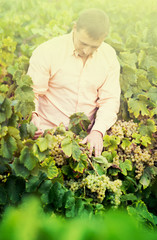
63, 85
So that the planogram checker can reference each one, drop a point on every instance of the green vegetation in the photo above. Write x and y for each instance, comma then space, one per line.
29, 222
56, 167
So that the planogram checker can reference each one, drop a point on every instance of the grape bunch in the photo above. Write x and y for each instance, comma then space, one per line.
99, 185
123, 129
122, 154
57, 153
73, 185
141, 157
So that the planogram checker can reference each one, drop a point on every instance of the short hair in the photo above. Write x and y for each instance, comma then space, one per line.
95, 22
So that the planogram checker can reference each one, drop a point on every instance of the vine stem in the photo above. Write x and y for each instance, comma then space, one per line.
93, 166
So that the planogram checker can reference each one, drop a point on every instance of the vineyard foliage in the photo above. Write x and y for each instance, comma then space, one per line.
57, 167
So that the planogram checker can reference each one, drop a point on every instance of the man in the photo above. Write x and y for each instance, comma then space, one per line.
77, 72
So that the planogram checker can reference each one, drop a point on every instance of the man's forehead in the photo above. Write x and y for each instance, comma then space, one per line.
85, 39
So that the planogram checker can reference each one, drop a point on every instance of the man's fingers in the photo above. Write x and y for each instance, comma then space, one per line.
98, 150
90, 150
38, 133
84, 140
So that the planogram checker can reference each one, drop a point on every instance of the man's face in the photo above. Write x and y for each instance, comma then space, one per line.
84, 44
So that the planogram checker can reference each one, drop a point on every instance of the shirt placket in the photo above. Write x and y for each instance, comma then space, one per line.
80, 80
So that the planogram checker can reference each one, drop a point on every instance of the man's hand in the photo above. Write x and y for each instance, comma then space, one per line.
38, 133
95, 138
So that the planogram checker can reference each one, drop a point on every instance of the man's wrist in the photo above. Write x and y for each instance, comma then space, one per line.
98, 132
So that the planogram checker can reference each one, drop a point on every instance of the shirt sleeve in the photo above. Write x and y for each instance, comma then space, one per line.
108, 102
39, 72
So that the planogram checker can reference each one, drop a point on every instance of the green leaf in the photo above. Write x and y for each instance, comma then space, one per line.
125, 166
3, 195
128, 78
125, 143
76, 152
143, 83
147, 176
147, 128
145, 140
56, 195
31, 129
3, 131
78, 122
19, 169
9, 146
152, 75
51, 140
15, 187
34, 182
44, 189
141, 212
100, 159
40, 155
66, 146
69, 201
4, 88
42, 144
21, 79
79, 207
111, 142
145, 180
52, 170
137, 107
14, 132
129, 197
109, 155
28, 158
127, 58
152, 94
137, 138
5, 109
25, 108
78, 166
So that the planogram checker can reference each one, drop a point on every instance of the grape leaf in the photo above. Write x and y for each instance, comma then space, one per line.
20, 169
28, 158
127, 58
5, 109
8, 147
125, 166
137, 107
42, 144
52, 170
147, 128
66, 145
76, 152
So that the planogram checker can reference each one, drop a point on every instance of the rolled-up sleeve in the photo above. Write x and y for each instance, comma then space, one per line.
39, 72
108, 102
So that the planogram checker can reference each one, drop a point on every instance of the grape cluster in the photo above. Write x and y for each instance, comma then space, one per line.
122, 154
99, 185
123, 129
57, 153
73, 185
141, 158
